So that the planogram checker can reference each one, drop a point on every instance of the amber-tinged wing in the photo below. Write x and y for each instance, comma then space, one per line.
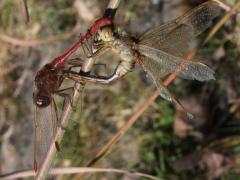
177, 36
45, 129
162, 63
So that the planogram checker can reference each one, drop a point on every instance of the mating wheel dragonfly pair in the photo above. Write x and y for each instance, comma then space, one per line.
159, 51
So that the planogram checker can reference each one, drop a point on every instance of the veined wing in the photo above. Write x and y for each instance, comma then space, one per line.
45, 129
179, 42
153, 72
177, 36
162, 63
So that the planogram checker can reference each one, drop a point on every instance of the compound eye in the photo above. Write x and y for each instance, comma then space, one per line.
106, 34
42, 101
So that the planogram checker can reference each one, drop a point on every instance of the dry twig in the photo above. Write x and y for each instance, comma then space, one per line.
36, 42
76, 170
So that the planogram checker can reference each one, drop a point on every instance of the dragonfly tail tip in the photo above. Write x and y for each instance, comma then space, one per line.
35, 166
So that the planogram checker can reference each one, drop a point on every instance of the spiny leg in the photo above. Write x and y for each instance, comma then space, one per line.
100, 51
83, 45
62, 93
87, 45
91, 40
74, 63
69, 97
81, 78
85, 52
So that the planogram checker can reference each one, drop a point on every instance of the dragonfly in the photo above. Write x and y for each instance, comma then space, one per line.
48, 81
159, 51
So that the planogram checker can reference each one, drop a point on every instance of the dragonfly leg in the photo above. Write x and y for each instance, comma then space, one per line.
99, 51
62, 93
87, 52
76, 62
69, 97
85, 45
91, 78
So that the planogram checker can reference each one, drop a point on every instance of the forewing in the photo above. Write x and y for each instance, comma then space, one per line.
162, 63
43, 134
179, 42
177, 36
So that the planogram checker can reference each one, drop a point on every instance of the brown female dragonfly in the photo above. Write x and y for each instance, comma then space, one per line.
160, 50
47, 84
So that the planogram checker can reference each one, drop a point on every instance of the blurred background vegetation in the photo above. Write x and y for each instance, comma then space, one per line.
161, 143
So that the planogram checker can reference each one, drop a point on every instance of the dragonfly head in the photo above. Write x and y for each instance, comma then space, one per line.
41, 100
105, 34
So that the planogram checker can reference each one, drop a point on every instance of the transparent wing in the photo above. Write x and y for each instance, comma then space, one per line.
153, 73
179, 42
177, 36
45, 129
54, 119
162, 63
